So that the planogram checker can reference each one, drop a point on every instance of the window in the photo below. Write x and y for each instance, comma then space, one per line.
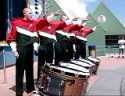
112, 40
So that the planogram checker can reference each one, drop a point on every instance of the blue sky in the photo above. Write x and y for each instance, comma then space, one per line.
117, 7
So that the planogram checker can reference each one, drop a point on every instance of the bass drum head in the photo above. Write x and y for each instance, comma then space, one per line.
93, 59
75, 67
87, 61
78, 62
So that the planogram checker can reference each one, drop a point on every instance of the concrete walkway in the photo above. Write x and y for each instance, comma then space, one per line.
7, 85
110, 79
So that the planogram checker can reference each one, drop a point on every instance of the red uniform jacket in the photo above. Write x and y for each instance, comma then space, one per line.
83, 33
71, 27
44, 26
22, 32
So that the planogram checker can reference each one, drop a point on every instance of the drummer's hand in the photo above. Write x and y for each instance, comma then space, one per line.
94, 28
16, 54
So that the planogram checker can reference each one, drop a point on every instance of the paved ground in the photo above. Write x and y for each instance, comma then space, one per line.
7, 85
110, 79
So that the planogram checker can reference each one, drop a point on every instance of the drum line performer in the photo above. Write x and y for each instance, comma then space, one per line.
47, 38
64, 46
80, 41
21, 39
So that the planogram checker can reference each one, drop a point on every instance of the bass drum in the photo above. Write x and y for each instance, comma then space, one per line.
96, 61
64, 82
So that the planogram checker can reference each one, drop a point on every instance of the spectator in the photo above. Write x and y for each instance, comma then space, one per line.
121, 43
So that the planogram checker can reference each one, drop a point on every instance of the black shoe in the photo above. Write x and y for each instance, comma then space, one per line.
94, 73
34, 93
19, 94
111, 56
118, 56
36, 0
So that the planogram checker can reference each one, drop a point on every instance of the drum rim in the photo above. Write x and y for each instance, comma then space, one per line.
75, 68
88, 61
89, 57
71, 71
81, 62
